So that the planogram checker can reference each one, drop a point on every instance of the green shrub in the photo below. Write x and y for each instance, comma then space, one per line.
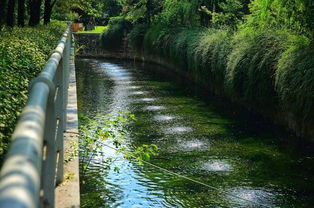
295, 76
112, 38
252, 65
23, 53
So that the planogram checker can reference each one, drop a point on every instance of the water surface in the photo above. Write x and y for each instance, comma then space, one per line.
197, 139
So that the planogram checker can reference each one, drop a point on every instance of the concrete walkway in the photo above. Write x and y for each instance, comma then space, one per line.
68, 193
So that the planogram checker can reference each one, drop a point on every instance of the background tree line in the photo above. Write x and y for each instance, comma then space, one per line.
31, 12
22, 12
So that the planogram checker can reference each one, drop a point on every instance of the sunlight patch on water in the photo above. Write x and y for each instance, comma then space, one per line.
138, 92
132, 87
216, 166
148, 100
193, 145
161, 118
178, 130
257, 196
154, 108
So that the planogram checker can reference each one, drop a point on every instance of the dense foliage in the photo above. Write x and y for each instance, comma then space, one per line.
257, 52
112, 38
23, 53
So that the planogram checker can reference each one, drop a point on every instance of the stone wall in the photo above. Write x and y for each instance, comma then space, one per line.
89, 45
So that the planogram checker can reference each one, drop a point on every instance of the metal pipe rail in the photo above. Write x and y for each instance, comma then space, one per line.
34, 164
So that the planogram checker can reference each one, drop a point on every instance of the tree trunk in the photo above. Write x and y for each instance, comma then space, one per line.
10, 13
34, 11
48, 10
21, 13
2, 11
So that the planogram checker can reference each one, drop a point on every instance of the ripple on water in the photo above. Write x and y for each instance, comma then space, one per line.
178, 130
216, 166
154, 108
257, 196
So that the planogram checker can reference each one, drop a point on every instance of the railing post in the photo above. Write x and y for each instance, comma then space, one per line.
49, 155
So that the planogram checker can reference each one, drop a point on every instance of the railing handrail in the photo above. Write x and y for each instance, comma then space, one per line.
34, 163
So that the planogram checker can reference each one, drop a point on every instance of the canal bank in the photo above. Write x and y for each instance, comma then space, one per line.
270, 112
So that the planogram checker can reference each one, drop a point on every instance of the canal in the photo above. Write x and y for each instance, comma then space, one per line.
197, 139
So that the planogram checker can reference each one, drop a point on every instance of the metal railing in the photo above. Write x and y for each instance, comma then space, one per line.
34, 164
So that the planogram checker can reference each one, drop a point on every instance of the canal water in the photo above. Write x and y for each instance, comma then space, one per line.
196, 138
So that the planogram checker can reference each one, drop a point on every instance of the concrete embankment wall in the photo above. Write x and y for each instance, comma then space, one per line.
300, 127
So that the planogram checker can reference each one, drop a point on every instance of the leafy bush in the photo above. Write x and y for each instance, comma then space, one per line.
112, 38
179, 12
296, 15
22, 56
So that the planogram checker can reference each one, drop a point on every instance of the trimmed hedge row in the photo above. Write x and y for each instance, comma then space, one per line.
23, 53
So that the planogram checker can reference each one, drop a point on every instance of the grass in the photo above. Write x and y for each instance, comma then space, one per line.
98, 29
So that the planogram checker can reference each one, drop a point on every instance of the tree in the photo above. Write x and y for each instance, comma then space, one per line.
34, 11
48, 10
10, 13
141, 10
112, 8
21, 13
3, 4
